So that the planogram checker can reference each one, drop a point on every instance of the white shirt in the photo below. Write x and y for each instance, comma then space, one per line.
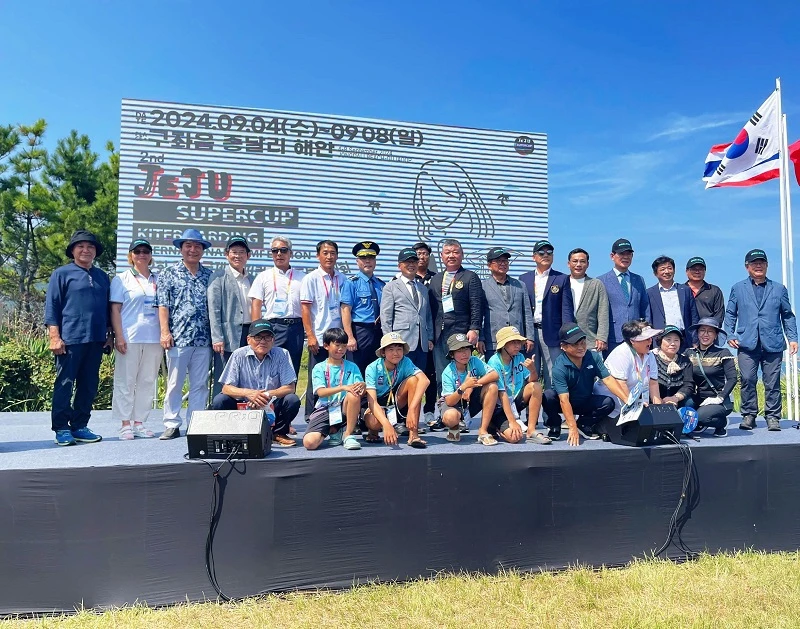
324, 293
407, 283
139, 317
279, 292
576, 286
539, 286
672, 306
623, 363
243, 284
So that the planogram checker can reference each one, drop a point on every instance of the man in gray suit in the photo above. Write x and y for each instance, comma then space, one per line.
506, 303
590, 299
229, 306
406, 309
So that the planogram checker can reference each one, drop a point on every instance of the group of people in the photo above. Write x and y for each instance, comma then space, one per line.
422, 351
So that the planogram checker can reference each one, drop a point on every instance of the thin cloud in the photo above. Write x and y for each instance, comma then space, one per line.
683, 126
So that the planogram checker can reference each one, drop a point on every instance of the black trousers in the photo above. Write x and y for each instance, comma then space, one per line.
286, 409
220, 360
78, 373
289, 335
590, 411
313, 359
368, 337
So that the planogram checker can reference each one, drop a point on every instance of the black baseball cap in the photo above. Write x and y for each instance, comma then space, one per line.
140, 242
259, 326
571, 333
497, 252
421, 245
407, 254
237, 240
695, 261
542, 244
621, 245
755, 254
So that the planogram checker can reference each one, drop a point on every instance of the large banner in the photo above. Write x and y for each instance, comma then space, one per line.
258, 173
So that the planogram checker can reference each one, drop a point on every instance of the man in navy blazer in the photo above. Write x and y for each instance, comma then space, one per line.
756, 319
672, 303
627, 295
551, 302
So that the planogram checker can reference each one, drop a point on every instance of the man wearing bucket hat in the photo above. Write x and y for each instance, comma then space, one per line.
182, 302
518, 386
395, 387
469, 387
78, 323
262, 375
229, 305
575, 372
756, 318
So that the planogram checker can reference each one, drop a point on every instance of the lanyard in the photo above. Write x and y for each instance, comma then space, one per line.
136, 276
391, 380
288, 286
334, 282
452, 281
335, 398
636, 366
509, 383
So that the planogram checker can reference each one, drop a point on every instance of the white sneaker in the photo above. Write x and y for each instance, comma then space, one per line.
428, 418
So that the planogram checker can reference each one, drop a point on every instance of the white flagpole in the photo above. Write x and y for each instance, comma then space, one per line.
792, 375
790, 412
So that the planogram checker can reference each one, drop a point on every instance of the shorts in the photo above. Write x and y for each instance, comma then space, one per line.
475, 404
519, 401
319, 421
499, 422
383, 400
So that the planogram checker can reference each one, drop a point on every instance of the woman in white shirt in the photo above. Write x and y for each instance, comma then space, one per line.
137, 345
633, 364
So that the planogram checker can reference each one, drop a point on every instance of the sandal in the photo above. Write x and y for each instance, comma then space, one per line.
126, 433
351, 443
453, 434
372, 437
140, 431
487, 440
418, 443
539, 438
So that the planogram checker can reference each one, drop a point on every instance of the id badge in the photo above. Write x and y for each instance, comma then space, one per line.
334, 415
279, 307
447, 303
149, 310
391, 415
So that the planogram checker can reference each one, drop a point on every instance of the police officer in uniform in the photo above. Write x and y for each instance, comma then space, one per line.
361, 306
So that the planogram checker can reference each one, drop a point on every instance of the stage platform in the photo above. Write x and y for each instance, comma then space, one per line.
118, 522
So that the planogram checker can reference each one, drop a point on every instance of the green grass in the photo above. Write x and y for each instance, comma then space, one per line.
744, 590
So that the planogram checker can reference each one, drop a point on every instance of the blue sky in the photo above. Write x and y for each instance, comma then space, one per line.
631, 94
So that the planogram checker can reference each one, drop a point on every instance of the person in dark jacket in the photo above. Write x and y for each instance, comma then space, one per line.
708, 298
714, 375
78, 321
671, 303
675, 379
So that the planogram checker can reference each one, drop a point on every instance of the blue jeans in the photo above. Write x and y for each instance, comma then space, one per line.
78, 373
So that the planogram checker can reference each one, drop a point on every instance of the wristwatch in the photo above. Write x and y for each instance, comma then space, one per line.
460, 391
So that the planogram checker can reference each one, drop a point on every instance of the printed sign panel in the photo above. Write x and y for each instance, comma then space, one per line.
259, 173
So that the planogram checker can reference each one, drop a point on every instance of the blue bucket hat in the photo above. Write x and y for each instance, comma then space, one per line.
191, 234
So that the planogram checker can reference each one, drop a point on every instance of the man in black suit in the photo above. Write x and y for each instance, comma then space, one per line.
551, 300
672, 303
425, 276
457, 304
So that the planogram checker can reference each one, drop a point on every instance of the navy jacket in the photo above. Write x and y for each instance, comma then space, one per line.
688, 311
557, 307
467, 314
749, 323
621, 311
78, 303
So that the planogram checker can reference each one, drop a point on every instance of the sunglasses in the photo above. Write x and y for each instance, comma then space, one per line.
275, 250
545, 252
140, 252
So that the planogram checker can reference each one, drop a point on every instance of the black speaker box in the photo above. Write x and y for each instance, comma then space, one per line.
215, 434
654, 423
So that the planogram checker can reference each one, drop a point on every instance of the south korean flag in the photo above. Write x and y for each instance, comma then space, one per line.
753, 157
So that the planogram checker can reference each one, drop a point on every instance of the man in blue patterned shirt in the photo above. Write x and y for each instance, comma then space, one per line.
182, 302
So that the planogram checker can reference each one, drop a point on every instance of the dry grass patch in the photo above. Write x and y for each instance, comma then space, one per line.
744, 590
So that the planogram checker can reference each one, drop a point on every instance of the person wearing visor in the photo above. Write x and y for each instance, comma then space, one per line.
634, 366
714, 377
675, 380
575, 373
518, 388
627, 294
757, 317
395, 387
469, 387
261, 375
137, 342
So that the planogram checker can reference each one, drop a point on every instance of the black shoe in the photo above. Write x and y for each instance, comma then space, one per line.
587, 432
748, 423
170, 433
437, 425
462, 426
554, 433
401, 429
720, 432
773, 424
